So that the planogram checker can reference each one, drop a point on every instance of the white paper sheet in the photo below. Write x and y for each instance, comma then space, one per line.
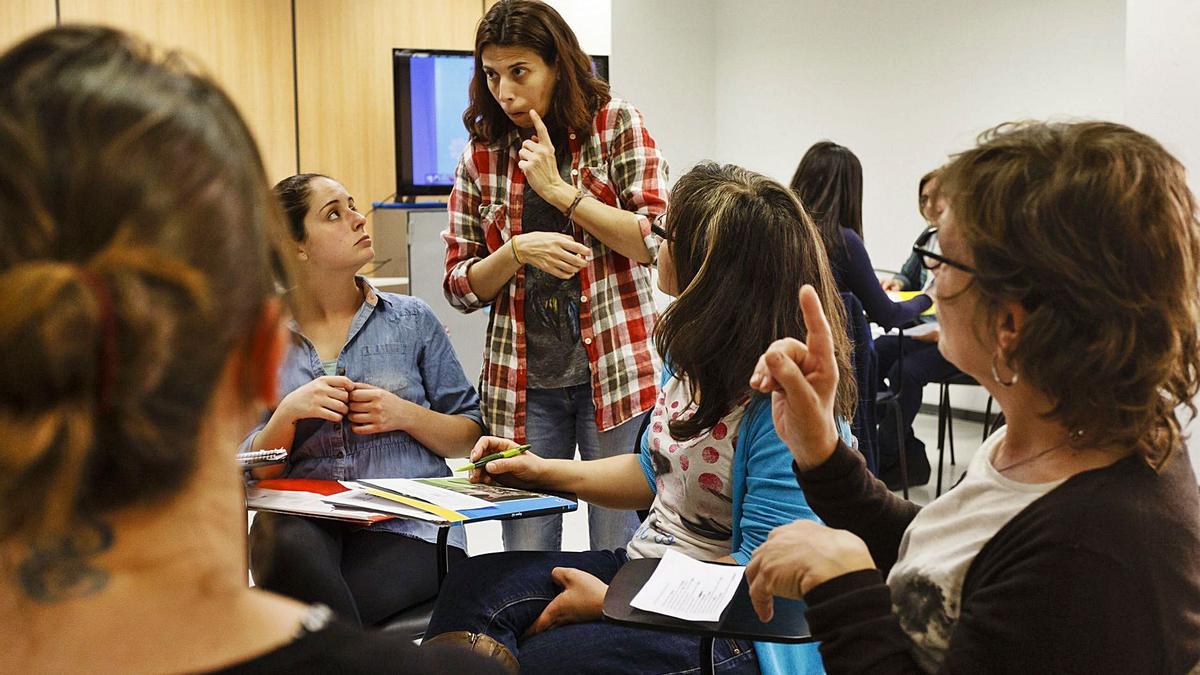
358, 499
921, 329
455, 501
689, 589
305, 503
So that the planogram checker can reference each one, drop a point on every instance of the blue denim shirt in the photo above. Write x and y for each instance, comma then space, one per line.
395, 343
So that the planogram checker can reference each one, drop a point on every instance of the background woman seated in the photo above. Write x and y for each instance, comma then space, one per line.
372, 390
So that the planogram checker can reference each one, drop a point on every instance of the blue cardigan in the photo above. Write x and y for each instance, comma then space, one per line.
765, 496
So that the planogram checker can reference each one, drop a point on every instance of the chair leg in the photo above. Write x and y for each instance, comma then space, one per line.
950, 425
941, 435
903, 452
987, 418
707, 667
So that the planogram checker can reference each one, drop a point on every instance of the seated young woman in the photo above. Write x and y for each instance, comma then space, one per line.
1067, 286
372, 389
139, 338
712, 471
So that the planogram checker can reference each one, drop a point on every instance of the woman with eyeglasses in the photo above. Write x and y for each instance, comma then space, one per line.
550, 230
712, 471
371, 388
1067, 285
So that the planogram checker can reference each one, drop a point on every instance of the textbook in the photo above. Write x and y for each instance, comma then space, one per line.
456, 500
305, 497
442, 501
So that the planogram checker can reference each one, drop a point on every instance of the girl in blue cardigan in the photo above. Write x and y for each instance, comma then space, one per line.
713, 474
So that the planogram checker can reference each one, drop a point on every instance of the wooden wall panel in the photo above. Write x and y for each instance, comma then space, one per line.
20, 18
245, 45
344, 77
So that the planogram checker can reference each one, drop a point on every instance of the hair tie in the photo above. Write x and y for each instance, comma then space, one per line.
106, 357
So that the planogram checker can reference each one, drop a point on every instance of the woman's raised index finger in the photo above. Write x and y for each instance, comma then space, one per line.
820, 335
539, 126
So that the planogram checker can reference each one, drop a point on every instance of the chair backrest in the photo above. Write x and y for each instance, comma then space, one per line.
863, 358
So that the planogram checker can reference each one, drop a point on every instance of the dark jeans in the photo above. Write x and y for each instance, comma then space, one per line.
501, 594
364, 576
923, 363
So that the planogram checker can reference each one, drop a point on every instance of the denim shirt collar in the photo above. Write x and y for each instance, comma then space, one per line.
371, 299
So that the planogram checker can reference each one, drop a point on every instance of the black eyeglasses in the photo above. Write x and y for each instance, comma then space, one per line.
931, 253
657, 229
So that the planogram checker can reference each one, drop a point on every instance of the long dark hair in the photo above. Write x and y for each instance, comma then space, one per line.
136, 224
578, 94
742, 247
829, 183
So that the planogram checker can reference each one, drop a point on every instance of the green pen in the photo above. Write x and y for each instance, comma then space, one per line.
511, 452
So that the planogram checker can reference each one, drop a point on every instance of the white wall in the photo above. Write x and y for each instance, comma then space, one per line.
1162, 62
903, 84
591, 20
663, 62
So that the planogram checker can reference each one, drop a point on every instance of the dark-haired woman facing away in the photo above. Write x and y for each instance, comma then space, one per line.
550, 227
372, 390
1067, 285
829, 183
712, 471
139, 334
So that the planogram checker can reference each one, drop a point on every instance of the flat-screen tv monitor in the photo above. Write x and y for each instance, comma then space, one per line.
430, 94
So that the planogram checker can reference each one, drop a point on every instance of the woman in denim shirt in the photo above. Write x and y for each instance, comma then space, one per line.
373, 390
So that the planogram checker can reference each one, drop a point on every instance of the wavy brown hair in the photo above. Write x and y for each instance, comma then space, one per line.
579, 92
135, 221
1092, 229
742, 247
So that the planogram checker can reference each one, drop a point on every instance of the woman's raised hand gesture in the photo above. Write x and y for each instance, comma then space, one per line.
802, 380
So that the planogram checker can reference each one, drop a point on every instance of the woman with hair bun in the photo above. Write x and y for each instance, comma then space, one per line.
139, 337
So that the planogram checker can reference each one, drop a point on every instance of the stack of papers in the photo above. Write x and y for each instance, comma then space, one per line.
689, 589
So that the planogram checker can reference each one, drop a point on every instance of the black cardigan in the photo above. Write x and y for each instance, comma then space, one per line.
1100, 575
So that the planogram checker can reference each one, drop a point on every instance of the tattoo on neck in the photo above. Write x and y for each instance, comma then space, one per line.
59, 567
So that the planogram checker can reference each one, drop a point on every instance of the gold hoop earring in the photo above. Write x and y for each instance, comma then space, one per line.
996, 374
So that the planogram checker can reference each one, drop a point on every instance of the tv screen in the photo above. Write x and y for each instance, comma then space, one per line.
430, 93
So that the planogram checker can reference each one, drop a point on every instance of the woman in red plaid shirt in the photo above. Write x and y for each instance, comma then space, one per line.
550, 227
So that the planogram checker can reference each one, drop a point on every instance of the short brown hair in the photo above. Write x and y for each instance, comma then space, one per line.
736, 237
578, 94
1092, 228
136, 224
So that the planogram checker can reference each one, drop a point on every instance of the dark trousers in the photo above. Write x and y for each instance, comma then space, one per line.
501, 594
363, 575
923, 363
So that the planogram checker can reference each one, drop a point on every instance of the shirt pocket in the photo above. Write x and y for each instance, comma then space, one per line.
387, 366
596, 182
493, 216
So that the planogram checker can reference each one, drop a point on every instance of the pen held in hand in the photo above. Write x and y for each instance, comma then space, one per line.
511, 452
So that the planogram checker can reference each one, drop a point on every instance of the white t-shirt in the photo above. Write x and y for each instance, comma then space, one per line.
940, 544
692, 511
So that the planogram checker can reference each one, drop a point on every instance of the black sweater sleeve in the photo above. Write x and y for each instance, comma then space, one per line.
1055, 609
858, 276
846, 496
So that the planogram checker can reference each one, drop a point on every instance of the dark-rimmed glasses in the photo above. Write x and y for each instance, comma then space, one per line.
931, 253
656, 226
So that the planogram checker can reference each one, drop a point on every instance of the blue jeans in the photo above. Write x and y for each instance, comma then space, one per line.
501, 594
556, 420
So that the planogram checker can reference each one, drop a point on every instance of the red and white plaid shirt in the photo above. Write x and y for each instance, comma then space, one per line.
619, 164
